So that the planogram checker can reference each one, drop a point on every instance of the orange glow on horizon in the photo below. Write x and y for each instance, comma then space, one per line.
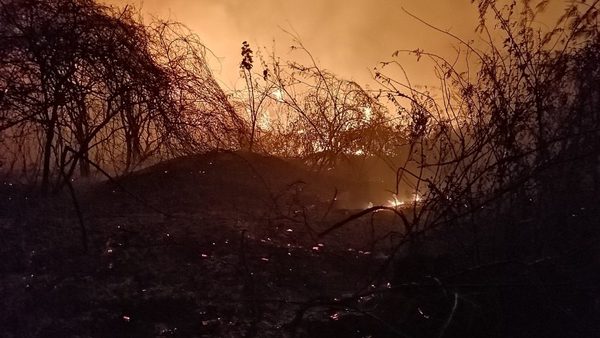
348, 37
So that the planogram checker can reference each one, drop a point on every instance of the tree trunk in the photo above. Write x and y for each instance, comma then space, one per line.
84, 164
47, 155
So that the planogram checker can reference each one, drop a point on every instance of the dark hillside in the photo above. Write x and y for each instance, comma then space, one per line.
236, 180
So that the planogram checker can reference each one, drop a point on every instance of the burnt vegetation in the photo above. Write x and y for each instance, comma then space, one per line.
141, 199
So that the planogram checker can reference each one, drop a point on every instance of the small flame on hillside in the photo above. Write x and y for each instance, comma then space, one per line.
395, 202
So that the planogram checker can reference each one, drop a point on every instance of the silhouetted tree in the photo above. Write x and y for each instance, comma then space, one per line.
81, 79
518, 137
303, 111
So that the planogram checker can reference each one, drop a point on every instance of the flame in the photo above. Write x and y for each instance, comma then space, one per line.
367, 113
265, 121
317, 147
278, 94
395, 202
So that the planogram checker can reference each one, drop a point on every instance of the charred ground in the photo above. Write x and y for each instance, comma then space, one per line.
226, 244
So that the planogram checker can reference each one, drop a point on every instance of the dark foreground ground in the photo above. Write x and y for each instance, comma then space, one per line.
223, 245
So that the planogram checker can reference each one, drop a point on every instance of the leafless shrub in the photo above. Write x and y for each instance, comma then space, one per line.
297, 109
79, 75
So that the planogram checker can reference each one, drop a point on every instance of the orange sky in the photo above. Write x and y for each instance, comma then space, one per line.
347, 37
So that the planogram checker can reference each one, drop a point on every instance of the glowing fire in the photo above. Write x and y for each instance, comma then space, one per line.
278, 94
367, 113
265, 120
395, 202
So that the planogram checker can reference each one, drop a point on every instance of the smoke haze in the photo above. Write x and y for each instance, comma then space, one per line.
348, 37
